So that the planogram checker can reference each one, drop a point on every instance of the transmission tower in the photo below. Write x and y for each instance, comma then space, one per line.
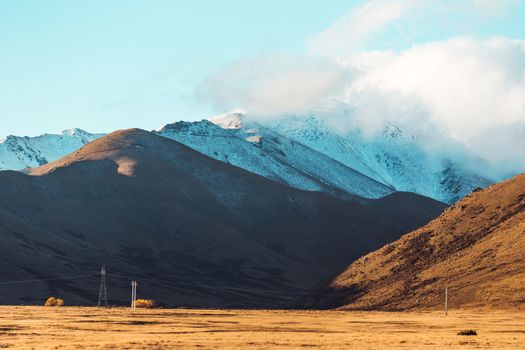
103, 293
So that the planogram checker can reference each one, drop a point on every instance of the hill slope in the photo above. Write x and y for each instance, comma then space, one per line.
476, 249
192, 230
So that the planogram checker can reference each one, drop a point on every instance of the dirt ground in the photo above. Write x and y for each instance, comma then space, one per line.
91, 328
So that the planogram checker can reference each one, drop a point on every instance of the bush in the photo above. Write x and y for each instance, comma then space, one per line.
468, 332
146, 304
54, 302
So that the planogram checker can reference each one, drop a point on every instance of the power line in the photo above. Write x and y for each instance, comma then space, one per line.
297, 292
48, 279
182, 284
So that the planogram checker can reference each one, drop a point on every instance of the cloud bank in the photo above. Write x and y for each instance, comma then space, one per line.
463, 90
457, 94
272, 86
358, 25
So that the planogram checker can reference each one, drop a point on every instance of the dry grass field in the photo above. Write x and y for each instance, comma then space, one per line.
90, 328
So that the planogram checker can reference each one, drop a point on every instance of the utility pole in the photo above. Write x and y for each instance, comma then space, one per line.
446, 301
134, 285
103, 292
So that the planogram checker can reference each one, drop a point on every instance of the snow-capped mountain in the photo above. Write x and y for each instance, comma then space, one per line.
260, 150
391, 157
17, 153
306, 153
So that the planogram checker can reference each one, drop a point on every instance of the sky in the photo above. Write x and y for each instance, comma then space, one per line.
102, 65
108, 64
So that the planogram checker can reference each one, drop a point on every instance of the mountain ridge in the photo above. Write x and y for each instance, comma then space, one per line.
269, 154
299, 151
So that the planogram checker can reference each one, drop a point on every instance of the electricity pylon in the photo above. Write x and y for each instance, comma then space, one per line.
103, 292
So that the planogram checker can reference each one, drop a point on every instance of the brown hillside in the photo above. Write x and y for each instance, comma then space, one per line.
476, 248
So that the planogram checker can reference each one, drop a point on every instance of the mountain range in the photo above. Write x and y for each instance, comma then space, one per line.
230, 212
300, 151
190, 229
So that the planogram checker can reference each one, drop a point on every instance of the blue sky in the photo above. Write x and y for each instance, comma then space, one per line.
102, 65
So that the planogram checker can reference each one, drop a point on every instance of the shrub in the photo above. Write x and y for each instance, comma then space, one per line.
146, 304
468, 332
54, 302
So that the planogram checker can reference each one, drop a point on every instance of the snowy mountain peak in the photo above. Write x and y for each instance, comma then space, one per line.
230, 120
18, 152
392, 157
197, 129
7, 139
392, 131
75, 132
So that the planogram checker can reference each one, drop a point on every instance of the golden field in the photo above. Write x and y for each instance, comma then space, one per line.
23, 327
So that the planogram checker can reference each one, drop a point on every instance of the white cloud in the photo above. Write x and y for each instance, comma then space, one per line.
458, 80
462, 92
275, 85
354, 28
469, 91
462, 96
361, 23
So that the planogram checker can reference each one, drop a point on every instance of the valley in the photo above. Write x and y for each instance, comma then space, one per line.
227, 174
90, 328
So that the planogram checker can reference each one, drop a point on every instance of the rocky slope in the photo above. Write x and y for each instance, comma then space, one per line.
476, 249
